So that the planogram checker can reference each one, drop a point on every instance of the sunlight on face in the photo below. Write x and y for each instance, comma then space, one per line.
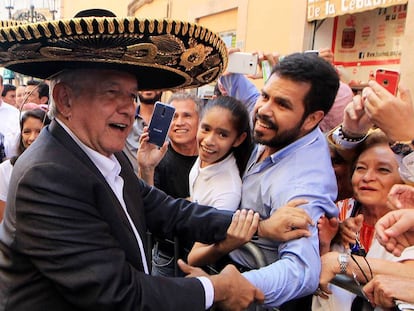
103, 113
216, 135
31, 130
376, 171
184, 125
279, 111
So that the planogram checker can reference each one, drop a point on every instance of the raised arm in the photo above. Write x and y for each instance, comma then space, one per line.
148, 157
393, 114
241, 230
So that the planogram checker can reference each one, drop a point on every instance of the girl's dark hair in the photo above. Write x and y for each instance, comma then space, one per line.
241, 122
35, 113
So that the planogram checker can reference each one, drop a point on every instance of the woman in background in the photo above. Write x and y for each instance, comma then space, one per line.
32, 121
375, 173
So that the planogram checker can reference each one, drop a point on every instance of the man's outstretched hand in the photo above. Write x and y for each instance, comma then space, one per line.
232, 291
286, 223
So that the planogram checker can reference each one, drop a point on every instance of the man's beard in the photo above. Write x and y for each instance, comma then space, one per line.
149, 100
281, 139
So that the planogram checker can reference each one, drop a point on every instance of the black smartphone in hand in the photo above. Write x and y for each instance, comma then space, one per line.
160, 123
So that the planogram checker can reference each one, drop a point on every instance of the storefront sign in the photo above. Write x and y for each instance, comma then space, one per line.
320, 9
8, 74
369, 38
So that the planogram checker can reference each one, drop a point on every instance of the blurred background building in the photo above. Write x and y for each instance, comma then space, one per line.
364, 35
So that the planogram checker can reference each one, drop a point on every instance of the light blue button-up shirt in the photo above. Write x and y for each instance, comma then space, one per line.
301, 170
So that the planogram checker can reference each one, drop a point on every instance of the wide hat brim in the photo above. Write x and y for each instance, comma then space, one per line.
162, 54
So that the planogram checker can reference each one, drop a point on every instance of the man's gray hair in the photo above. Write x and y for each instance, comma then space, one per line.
182, 96
73, 78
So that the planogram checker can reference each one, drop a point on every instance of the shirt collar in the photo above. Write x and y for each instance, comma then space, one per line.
297, 145
137, 111
293, 147
108, 166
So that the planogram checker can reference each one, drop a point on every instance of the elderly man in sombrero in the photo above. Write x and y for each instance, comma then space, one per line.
73, 237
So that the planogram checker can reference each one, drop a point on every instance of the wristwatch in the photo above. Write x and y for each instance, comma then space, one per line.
343, 262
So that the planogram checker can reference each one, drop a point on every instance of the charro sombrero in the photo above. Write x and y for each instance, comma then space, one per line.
163, 54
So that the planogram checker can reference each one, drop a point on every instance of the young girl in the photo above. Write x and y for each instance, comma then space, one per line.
224, 145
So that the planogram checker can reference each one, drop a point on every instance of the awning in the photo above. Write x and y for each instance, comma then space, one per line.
321, 9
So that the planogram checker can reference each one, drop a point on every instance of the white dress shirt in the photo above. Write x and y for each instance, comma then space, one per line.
110, 169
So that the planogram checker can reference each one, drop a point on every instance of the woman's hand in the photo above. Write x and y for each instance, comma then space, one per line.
241, 230
327, 229
329, 268
349, 229
401, 196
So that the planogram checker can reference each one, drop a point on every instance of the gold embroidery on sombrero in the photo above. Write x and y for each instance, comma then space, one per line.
151, 26
160, 28
89, 27
68, 29
193, 56
78, 28
141, 27
144, 52
183, 28
56, 29
203, 33
46, 30
206, 76
121, 27
17, 36
190, 51
169, 27
190, 31
168, 44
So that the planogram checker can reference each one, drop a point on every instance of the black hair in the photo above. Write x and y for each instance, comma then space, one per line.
241, 122
7, 88
42, 88
324, 80
35, 113
217, 91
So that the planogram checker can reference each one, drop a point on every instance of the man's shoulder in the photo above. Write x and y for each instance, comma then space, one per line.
315, 140
9, 109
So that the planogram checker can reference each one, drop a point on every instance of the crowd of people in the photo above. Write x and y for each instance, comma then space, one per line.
14, 102
318, 181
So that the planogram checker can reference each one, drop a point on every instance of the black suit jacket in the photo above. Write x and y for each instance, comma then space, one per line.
66, 244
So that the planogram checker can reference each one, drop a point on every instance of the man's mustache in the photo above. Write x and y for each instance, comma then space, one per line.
267, 121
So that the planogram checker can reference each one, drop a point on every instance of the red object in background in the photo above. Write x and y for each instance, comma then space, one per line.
388, 79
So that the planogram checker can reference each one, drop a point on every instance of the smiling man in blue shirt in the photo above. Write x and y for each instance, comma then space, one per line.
291, 161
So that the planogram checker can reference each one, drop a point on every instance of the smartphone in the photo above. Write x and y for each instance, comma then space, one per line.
245, 63
388, 79
160, 123
313, 52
